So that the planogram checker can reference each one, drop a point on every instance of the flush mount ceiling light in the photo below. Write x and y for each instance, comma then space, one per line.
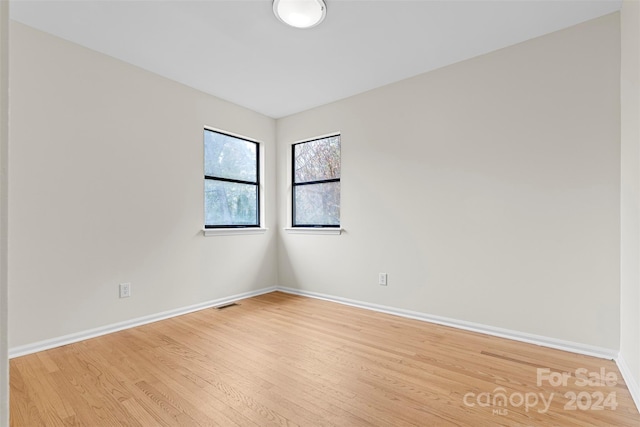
300, 13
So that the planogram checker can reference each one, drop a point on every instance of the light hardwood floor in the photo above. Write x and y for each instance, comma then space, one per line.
285, 360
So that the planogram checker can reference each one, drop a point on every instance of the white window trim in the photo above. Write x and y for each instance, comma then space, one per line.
233, 231
314, 230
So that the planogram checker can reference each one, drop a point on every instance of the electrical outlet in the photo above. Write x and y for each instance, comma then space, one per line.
382, 279
125, 290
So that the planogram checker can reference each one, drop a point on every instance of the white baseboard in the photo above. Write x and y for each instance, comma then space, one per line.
630, 381
573, 347
601, 352
115, 327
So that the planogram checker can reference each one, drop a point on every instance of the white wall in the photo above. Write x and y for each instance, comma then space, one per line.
106, 187
487, 190
4, 142
630, 191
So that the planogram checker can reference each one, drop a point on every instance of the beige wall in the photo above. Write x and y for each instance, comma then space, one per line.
630, 199
4, 142
489, 190
106, 187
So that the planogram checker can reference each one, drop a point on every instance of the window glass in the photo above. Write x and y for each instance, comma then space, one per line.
229, 157
318, 205
230, 203
317, 160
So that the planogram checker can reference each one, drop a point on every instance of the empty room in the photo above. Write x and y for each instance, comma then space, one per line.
320, 213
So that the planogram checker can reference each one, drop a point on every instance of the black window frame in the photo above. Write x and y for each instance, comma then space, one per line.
238, 181
294, 184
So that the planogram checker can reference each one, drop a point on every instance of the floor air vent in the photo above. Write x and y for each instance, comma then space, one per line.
231, 304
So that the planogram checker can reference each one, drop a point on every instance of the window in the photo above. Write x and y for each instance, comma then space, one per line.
231, 181
316, 183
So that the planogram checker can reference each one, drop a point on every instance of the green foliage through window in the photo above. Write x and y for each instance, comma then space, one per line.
231, 186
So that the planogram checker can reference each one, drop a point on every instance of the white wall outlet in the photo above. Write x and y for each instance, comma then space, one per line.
382, 279
125, 290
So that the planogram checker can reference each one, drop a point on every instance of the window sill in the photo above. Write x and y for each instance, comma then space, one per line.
314, 230
233, 231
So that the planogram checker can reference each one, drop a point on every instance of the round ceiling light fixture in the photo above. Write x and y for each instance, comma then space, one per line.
300, 13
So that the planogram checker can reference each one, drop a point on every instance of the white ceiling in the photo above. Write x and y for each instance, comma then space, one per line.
237, 50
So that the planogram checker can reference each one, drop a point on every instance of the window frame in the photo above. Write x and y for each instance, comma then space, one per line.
295, 226
257, 184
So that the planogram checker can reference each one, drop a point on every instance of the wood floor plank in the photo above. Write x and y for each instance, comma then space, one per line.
23, 409
285, 360
81, 382
264, 393
262, 354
